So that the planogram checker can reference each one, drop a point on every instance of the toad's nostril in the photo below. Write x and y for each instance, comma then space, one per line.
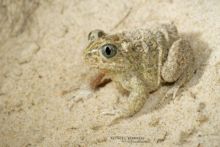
89, 54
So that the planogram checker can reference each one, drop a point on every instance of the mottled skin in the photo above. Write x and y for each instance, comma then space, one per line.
145, 59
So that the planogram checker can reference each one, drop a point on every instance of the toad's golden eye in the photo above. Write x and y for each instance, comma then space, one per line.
109, 50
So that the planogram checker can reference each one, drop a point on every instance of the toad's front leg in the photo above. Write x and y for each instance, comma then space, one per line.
135, 101
130, 105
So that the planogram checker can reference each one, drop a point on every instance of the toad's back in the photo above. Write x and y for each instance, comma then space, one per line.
152, 46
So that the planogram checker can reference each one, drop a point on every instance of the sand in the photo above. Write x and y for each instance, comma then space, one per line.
45, 99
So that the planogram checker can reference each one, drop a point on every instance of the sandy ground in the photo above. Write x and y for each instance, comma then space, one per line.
45, 99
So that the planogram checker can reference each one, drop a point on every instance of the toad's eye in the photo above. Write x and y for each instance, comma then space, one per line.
109, 50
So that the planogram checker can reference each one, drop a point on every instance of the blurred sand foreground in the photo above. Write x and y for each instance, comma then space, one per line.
44, 96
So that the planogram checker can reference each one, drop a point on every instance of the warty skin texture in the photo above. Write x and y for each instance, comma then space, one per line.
145, 59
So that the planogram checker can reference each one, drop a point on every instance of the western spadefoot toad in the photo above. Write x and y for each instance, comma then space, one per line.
140, 61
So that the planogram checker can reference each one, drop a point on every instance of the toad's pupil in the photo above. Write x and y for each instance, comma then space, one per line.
108, 50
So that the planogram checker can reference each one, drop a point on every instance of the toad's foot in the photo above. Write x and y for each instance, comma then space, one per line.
117, 115
128, 108
172, 92
111, 112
